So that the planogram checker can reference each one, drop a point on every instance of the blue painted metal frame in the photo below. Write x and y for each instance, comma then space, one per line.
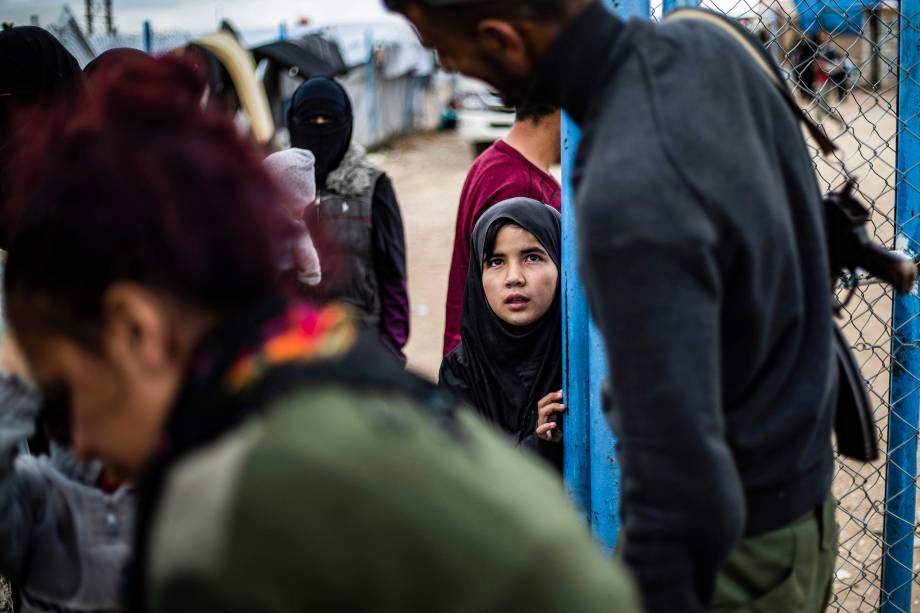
148, 36
590, 469
901, 468
576, 356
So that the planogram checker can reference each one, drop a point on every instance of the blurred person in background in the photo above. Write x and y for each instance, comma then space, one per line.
293, 169
803, 58
703, 252
516, 166
508, 365
65, 524
286, 462
357, 225
35, 70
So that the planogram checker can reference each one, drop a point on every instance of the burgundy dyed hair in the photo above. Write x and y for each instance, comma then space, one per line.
137, 182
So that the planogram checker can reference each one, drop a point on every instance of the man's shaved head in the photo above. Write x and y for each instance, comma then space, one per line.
498, 41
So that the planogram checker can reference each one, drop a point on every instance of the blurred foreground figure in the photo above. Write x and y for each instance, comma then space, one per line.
65, 526
285, 461
294, 170
705, 262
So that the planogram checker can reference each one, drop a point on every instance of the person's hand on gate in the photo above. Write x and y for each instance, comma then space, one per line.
549, 412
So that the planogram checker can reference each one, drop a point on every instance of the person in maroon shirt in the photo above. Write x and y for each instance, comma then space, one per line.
516, 166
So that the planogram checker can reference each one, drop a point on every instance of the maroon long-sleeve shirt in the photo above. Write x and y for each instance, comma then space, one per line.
500, 173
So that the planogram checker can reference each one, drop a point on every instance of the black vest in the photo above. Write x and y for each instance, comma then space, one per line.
347, 220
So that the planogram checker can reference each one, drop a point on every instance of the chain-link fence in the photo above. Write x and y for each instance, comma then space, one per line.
841, 57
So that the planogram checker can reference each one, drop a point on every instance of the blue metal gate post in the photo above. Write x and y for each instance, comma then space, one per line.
901, 468
148, 36
591, 474
576, 356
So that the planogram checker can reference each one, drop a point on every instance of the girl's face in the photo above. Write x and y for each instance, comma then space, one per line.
519, 278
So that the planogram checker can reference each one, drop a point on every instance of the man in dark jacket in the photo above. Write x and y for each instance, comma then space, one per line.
703, 255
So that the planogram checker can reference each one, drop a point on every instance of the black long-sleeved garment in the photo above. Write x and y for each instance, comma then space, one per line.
703, 254
389, 245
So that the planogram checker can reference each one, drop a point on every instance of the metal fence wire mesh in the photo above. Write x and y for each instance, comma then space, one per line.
841, 60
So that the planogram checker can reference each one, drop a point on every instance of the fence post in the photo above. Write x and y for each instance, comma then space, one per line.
670, 5
590, 470
576, 356
148, 36
901, 468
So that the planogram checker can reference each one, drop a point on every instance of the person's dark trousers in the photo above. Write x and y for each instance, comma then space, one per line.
789, 569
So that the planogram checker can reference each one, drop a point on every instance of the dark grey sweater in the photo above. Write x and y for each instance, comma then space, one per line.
703, 253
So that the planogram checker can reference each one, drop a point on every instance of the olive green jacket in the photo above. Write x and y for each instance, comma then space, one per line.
342, 500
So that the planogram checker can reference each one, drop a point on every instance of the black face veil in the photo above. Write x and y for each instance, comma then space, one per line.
505, 370
329, 142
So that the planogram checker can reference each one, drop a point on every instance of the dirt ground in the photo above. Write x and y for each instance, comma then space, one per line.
428, 171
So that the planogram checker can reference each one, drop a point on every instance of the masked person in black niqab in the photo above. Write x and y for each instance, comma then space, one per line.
508, 364
35, 70
357, 225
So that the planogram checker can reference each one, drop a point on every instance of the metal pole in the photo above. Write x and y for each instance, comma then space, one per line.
90, 16
901, 467
109, 18
148, 36
590, 469
370, 77
576, 355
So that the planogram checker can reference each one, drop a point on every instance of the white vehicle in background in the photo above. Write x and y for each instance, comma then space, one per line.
482, 117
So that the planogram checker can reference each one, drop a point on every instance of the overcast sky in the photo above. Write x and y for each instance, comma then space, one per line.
200, 15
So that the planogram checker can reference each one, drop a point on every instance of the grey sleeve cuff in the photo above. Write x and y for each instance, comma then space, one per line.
19, 408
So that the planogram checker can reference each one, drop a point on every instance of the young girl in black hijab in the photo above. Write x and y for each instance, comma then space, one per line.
508, 364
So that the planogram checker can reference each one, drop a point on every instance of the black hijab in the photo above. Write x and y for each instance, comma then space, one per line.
110, 60
35, 70
34, 66
500, 369
328, 142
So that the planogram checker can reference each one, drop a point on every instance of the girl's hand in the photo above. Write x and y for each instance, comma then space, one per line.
549, 412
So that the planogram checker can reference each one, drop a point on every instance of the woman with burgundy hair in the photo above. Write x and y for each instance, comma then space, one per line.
285, 461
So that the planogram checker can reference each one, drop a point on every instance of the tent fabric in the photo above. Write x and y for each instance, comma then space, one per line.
288, 54
241, 67
394, 46
833, 16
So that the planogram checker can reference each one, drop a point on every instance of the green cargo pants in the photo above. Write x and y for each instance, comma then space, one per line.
789, 570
